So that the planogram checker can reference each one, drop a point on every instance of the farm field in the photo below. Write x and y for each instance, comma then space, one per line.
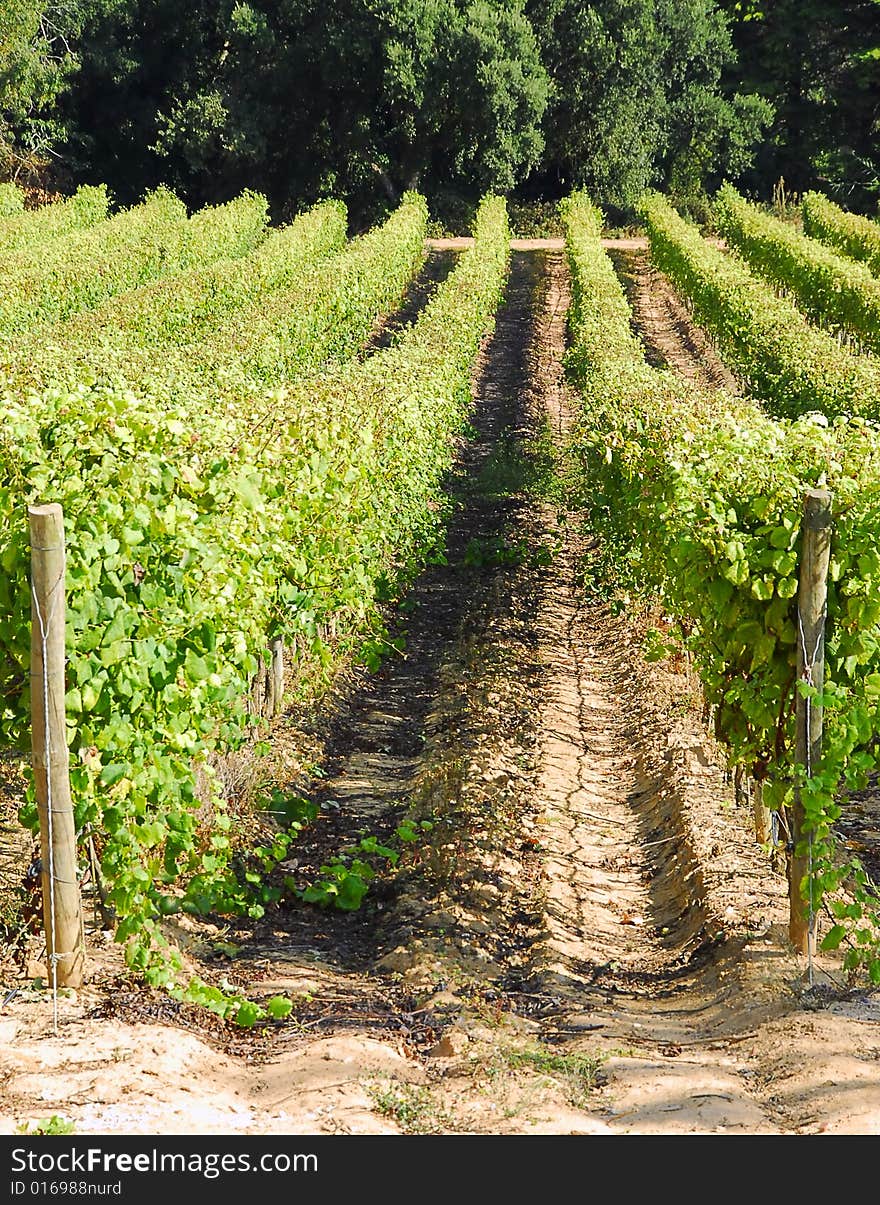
397, 608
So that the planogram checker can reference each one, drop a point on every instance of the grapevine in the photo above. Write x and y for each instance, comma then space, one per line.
196, 533
699, 497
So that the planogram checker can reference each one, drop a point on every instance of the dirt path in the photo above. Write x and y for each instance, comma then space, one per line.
586, 940
439, 262
671, 338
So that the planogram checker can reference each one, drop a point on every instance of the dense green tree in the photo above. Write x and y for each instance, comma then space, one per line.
35, 65
363, 98
637, 97
137, 58
818, 63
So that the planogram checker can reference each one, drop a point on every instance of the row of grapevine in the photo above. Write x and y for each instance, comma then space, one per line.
292, 303
699, 496
322, 313
198, 530
849, 233
21, 230
80, 270
829, 288
187, 304
774, 350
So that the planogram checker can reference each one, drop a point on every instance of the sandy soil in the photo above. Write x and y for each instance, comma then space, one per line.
587, 941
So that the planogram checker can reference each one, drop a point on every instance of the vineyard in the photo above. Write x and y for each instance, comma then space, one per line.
466, 687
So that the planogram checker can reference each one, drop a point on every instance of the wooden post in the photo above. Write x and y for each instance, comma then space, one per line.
811, 600
62, 910
277, 675
259, 687
763, 823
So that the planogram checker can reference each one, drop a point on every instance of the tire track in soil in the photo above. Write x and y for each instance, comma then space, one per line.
639, 943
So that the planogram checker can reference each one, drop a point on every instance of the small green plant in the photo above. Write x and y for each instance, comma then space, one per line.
506, 471
408, 830
48, 1125
785, 203
578, 1072
292, 812
229, 1004
494, 550
374, 650
346, 878
654, 646
411, 1106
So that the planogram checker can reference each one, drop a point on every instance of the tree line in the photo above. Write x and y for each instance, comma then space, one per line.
363, 99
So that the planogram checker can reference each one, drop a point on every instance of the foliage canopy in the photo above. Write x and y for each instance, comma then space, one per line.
365, 98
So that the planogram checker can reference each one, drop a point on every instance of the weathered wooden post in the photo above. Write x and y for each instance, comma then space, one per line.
811, 603
259, 687
763, 822
62, 909
277, 675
